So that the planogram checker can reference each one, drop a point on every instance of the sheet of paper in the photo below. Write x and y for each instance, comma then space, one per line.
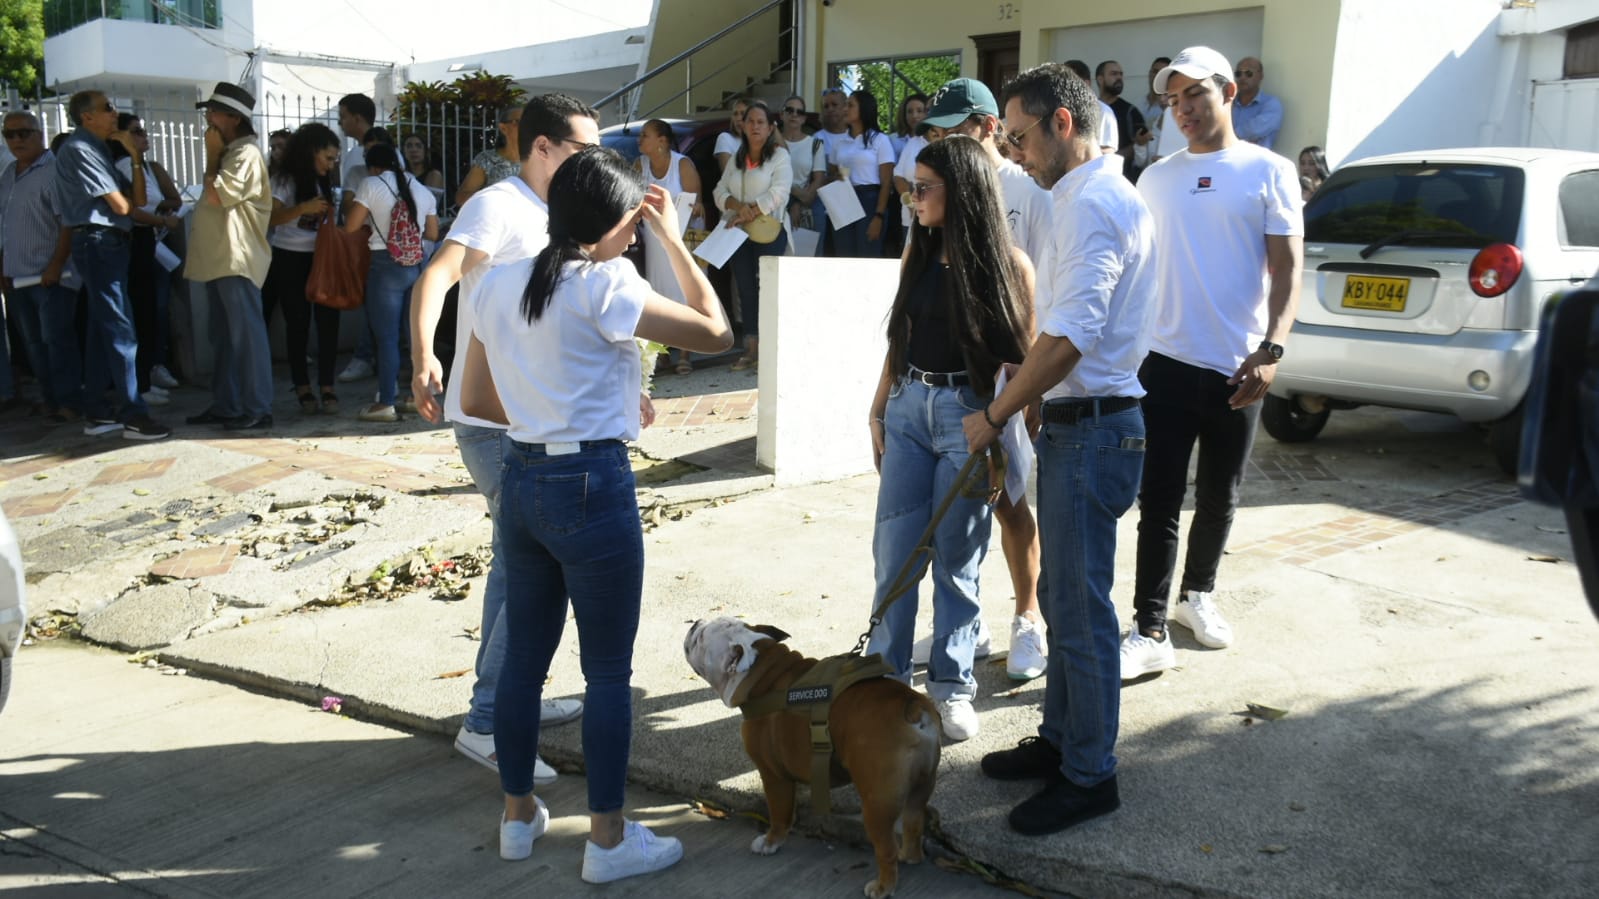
803, 242
1018, 449
26, 281
168, 259
685, 209
721, 245
843, 206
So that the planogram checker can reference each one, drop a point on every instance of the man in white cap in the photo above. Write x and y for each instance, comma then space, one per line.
1229, 231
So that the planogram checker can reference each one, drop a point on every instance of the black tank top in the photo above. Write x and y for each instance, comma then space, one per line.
933, 346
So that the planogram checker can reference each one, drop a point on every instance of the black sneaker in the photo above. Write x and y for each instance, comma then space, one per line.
1062, 804
145, 428
94, 427
1032, 757
249, 423
207, 417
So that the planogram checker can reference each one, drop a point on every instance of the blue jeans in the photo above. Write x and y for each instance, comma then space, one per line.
46, 317
924, 449
1087, 479
850, 241
746, 263
241, 370
101, 258
483, 452
388, 296
819, 221
570, 529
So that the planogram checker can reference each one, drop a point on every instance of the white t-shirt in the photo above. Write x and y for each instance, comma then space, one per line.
807, 155
1027, 210
1109, 134
298, 235
1212, 214
862, 158
509, 223
906, 168
379, 193
726, 142
828, 139
352, 165
574, 374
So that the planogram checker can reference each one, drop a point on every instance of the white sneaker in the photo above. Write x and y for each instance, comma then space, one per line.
516, 837
161, 377
922, 649
1143, 655
1197, 612
157, 388
151, 398
1029, 653
640, 852
960, 719
560, 711
480, 748
356, 370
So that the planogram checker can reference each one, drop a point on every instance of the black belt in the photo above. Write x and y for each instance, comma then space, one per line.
90, 229
939, 378
1070, 412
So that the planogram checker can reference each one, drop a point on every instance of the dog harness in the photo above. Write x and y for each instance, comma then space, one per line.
814, 692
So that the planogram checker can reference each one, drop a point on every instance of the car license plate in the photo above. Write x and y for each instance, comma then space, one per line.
1382, 294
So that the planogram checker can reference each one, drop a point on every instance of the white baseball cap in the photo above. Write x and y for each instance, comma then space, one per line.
1198, 63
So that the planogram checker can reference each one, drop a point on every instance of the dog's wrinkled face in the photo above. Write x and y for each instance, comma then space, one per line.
722, 651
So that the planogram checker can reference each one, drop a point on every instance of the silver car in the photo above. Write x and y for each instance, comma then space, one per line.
1425, 276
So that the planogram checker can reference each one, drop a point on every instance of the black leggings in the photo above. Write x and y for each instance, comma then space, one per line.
286, 283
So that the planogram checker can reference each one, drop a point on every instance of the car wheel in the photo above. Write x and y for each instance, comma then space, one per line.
1288, 422
1504, 439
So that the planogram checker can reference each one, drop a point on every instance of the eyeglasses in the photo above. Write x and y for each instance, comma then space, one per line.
108, 108
1244, 73
581, 145
1015, 138
18, 133
794, 111
923, 188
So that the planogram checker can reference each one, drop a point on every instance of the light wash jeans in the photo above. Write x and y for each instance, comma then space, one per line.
570, 530
388, 297
45, 316
924, 450
1087, 479
483, 452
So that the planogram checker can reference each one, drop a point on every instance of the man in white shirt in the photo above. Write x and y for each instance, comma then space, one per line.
966, 106
1229, 225
507, 222
1095, 300
1109, 135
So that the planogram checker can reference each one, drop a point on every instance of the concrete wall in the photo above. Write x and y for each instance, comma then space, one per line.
112, 50
680, 24
822, 347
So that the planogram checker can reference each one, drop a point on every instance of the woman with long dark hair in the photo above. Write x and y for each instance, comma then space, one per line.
148, 283
387, 194
755, 184
421, 162
964, 308
554, 356
1312, 169
302, 195
864, 159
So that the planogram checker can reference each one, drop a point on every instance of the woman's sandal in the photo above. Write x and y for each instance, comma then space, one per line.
743, 363
308, 403
330, 402
684, 367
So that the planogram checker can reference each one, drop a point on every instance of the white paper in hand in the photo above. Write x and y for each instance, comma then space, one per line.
167, 259
721, 245
685, 210
1018, 448
843, 206
802, 242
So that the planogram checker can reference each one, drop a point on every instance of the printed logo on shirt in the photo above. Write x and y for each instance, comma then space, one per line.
1013, 218
1203, 187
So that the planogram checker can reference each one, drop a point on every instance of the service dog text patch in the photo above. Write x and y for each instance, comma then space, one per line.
810, 695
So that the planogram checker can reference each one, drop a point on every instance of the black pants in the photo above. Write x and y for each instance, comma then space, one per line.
142, 300
1186, 404
286, 288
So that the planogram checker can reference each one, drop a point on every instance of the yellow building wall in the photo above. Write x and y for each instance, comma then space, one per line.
680, 24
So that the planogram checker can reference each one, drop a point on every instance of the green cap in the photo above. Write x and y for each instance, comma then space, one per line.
957, 101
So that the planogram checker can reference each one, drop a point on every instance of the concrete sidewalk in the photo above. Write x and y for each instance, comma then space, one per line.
1421, 626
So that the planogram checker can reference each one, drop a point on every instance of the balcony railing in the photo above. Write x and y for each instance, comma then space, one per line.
65, 15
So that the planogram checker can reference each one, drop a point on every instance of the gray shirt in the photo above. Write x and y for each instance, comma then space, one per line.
29, 226
84, 175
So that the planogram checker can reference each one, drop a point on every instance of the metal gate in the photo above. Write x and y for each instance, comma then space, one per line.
1565, 115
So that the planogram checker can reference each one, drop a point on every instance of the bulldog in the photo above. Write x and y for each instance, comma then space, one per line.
886, 739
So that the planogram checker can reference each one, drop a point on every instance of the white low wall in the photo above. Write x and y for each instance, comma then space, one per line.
822, 347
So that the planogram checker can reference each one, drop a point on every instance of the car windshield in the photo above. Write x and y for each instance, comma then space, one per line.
1419, 204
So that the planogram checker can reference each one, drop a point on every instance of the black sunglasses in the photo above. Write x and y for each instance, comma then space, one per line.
794, 111
15, 133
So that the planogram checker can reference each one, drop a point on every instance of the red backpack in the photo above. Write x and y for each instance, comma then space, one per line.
404, 239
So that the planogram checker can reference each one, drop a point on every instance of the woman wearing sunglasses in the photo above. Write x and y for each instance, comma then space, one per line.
964, 308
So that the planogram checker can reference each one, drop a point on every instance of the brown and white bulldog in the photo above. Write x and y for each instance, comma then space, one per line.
885, 739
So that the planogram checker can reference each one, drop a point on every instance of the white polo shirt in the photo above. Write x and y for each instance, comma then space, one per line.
1027, 210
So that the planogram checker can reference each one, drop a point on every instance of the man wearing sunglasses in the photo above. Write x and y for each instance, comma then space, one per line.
1257, 116
36, 251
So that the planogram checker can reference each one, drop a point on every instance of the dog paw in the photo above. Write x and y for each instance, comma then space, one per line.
911, 855
876, 889
764, 846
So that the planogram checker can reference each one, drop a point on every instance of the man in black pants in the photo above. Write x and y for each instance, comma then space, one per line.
1229, 231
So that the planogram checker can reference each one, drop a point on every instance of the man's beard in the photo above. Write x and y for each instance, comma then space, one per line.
1114, 88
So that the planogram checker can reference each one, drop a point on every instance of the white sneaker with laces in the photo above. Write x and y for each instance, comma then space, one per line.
161, 377
480, 748
922, 649
151, 398
1197, 612
560, 711
640, 852
516, 837
1029, 653
960, 719
356, 370
1143, 655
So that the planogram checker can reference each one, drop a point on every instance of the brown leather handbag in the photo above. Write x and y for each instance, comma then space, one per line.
338, 266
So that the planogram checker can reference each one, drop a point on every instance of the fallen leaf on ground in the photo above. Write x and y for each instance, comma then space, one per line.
709, 810
449, 674
141, 491
1553, 560
1273, 849
1206, 848
1265, 711
332, 704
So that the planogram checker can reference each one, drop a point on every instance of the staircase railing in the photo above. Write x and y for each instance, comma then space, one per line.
627, 96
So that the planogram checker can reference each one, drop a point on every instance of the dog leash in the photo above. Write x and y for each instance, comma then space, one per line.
967, 483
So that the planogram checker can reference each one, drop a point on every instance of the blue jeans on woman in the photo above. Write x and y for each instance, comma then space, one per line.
850, 241
483, 452
388, 297
1088, 476
569, 528
46, 317
746, 263
924, 448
